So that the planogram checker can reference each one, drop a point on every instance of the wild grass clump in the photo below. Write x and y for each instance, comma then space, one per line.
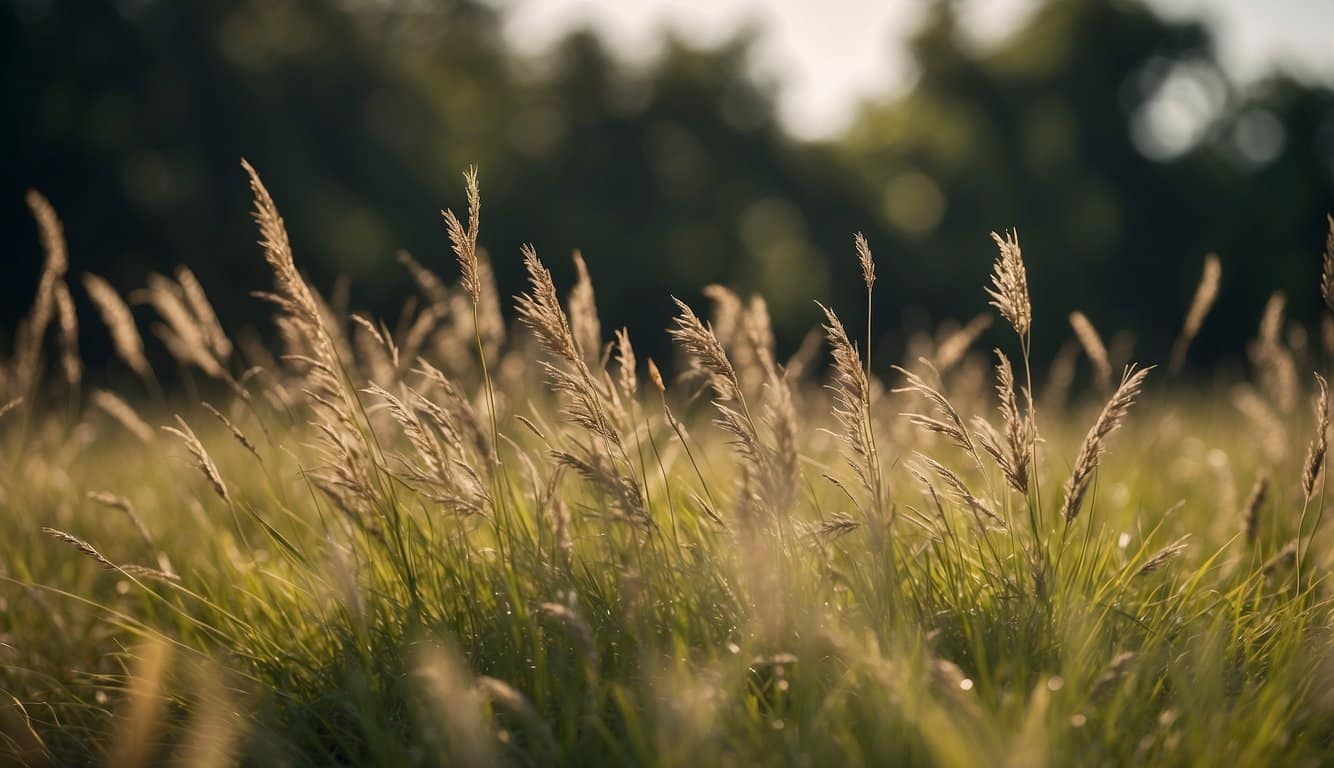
469, 538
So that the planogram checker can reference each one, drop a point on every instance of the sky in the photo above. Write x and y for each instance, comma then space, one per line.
828, 55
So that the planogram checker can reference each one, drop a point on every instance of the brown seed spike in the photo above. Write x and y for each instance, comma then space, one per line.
864, 258
1315, 454
1086, 461
1009, 281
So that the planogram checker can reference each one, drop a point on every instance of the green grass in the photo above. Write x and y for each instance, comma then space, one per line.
727, 609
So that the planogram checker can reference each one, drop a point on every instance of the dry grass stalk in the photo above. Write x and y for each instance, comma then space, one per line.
958, 488
625, 364
28, 347
725, 320
1090, 452
1009, 284
1162, 556
1093, 347
464, 239
1206, 293
125, 338
112, 501
1251, 512
293, 296
202, 460
202, 308
1268, 426
1315, 453
68, 322
1327, 273
948, 423
427, 281
89, 551
588, 400
705, 351
125, 414
852, 407
1274, 366
584, 323
183, 333
235, 430
865, 260
953, 348
1015, 455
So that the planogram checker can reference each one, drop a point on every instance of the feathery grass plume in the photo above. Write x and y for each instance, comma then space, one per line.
1327, 273
235, 430
1016, 455
1315, 453
852, 407
768, 472
125, 338
1205, 295
125, 414
584, 323
464, 239
1060, 377
1275, 368
28, 346
727, 311
864, 259
1251, 512
948, 423
953, 348
89, 551
202, 309
292, 295
1268, 426
958, 488
705, 350
202, 460
604, 461
655, 376
427, 281
625, 364
182, 333
448, 478
1162, 556
112, 501
70, 362
1093, 347
490, 319
1009, 281
1091, 450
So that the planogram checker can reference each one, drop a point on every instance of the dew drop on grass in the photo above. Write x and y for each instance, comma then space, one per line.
966, 684
1123, 540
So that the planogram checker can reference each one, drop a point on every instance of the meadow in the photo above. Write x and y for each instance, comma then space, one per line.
486, 533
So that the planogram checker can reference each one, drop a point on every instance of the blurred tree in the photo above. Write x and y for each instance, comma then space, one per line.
1108, 137
1114, 143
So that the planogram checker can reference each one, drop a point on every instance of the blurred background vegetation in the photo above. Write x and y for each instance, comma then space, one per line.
132, 116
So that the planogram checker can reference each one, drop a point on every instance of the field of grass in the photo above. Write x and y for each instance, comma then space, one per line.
480, 537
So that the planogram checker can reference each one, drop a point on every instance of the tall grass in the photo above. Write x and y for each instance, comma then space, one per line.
452, 541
